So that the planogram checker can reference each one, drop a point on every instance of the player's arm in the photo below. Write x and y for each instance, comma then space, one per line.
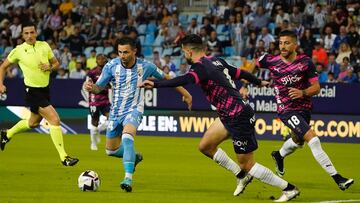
3, 68
186, 96
102, 81
54, 64
314, 87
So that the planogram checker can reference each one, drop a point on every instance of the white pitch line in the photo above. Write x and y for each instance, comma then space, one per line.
338, 201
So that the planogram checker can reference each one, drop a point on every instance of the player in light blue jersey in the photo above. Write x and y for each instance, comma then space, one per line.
125, 73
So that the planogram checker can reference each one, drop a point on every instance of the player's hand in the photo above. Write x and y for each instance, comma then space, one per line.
2, 88
244, 92
45, 67
188, 100
264, 83
146, 84
295, 93
89, 85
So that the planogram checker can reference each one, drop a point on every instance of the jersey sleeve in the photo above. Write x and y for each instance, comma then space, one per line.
105, 76
155, 71
13, 56
198, 72
233, 71
262, 61
310, 72
49, 52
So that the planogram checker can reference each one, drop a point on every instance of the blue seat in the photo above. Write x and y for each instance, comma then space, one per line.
141, 29
159, 40
271, 28
229, 51
108, 50
149, 40
220, 28
99, 50
147, 51
151, 28
167, 51
183, 18
87, 51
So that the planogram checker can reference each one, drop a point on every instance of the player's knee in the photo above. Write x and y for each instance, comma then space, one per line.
34, 124
206, 148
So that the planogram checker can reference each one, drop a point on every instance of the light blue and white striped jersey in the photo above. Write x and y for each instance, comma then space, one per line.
126, 95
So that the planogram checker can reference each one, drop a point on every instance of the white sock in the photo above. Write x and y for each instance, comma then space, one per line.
265, 175
321, 157
225, 161
128, 175
93, 135
103, 126
288, 147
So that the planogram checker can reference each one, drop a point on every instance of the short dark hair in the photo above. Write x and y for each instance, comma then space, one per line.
27, 24
288, 33
126, 41
194, 41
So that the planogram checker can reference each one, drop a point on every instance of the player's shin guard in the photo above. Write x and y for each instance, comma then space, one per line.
288, 147
57, 138
321, 157
267, 176
129, 155
21, 126
116, 153
225, 161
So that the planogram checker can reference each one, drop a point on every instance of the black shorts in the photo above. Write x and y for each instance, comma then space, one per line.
297, 121
36, 97
95, 111
242, 131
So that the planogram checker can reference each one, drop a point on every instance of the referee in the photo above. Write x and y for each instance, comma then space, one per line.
36, 61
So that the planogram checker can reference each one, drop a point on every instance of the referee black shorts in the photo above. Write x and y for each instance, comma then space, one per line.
36, 97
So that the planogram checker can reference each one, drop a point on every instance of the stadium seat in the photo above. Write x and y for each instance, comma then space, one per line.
141, 29
220, 28
191, 16
183, 18
271, 28
108, 50
167, 51
229, 51
177, 62
159, 40
151, 28
147, 51
142, 39
149, 40
87, 51
99, 50
222, 37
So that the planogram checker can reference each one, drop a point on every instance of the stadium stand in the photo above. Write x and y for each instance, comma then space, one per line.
159, 26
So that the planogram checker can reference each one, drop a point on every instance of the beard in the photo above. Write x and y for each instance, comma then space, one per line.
288, 54
189, 61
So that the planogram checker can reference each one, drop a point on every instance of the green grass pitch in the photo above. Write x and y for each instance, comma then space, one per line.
173, 170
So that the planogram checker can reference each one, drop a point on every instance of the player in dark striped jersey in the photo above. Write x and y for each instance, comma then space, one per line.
236, 118
295, 81
98, 103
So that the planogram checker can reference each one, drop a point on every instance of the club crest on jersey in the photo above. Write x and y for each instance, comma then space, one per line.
140, 70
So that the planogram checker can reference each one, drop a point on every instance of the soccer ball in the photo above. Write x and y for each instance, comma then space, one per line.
88, 181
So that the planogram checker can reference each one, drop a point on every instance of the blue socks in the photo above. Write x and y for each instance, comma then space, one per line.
129, 154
